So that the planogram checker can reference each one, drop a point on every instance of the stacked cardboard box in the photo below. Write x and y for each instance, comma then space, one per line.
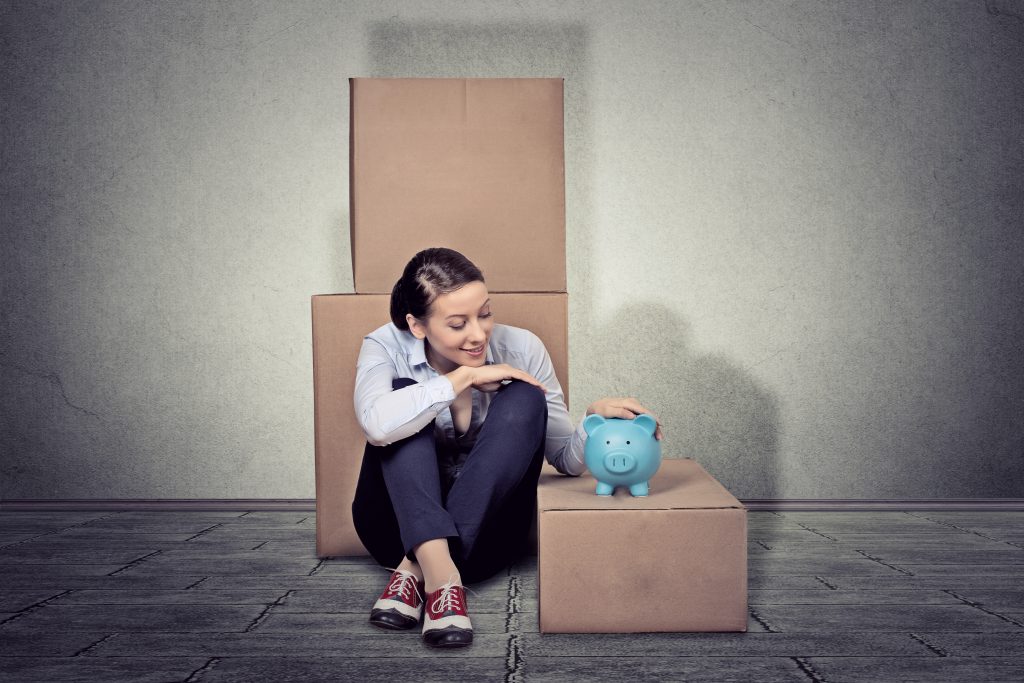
475, 165
673, 561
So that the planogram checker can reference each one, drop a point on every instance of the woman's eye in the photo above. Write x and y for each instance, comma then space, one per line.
485, 315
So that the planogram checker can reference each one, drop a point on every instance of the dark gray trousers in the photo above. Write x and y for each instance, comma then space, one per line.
403, 500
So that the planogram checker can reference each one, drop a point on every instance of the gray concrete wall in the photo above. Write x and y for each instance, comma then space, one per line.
794, 231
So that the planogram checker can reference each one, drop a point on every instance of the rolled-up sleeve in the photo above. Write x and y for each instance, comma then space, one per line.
564, 445
388, 415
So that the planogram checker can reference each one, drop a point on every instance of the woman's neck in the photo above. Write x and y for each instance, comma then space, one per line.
437, 361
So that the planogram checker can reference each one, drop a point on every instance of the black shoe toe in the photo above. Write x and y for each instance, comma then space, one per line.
448, 637
391, 620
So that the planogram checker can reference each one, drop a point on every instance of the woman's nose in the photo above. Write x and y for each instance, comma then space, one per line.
476, 333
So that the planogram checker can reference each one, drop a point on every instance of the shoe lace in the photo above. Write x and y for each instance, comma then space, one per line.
402, 582
448, 599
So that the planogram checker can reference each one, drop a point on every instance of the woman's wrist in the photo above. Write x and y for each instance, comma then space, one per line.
461, 378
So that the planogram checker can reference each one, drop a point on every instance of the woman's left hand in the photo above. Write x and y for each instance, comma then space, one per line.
625, 408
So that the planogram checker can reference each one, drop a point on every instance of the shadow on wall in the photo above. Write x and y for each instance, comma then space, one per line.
711, 409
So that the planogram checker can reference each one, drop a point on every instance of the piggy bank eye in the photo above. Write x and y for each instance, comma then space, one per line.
608, 442
627, 443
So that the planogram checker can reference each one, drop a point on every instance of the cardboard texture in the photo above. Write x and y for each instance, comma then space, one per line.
673, 561
340, 321
473, 164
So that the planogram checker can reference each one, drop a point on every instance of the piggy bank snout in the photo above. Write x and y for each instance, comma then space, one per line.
619, 462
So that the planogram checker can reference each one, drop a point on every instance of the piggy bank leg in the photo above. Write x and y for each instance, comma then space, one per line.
639, 490
604, 489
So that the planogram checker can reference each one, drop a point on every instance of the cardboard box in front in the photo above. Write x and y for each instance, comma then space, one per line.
673, 561
473, 164
340, 321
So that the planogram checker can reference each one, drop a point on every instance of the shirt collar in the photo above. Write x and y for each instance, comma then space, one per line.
418, 352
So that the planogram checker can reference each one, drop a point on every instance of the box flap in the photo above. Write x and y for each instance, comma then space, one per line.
680, 484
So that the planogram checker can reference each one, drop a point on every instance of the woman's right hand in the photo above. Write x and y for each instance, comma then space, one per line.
489, 377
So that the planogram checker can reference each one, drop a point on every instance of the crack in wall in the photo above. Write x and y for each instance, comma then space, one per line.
998, 9
193, 585
55, 381
317, 568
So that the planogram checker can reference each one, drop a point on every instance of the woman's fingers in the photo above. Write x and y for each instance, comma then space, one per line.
527, 377
631, 407
624, 413
502, 372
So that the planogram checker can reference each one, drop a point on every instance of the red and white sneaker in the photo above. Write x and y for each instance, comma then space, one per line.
400, 605
446, 621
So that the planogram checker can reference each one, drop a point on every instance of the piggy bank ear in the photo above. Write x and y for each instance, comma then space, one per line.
648, 423
591, 423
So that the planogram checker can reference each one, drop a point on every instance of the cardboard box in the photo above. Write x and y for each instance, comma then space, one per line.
673, 561
340, 321
473, 164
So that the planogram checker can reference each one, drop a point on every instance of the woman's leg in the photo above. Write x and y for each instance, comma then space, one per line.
398, 503
492, 501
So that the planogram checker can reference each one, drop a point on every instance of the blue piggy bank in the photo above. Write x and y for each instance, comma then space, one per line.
621, 452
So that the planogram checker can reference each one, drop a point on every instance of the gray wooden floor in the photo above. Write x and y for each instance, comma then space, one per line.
236, 596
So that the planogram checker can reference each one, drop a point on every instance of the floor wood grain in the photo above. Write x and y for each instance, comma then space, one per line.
241, 596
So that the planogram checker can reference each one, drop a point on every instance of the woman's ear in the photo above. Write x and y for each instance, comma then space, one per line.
592, 422
415, 326
648, 423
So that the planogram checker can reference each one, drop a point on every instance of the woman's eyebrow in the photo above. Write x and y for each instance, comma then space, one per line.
463, 315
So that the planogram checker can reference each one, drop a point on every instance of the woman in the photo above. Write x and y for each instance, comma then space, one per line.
458, 413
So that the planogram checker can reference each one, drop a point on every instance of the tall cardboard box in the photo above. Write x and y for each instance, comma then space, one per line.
473, 164
340, 321
675, 560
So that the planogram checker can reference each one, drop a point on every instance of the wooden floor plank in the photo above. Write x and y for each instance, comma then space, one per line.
932, 670
231, 596
137, 669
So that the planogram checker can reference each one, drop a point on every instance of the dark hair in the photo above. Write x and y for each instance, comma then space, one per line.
428, 274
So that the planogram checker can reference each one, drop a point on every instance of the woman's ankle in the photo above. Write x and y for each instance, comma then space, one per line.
436, 561
407, 565
434, 582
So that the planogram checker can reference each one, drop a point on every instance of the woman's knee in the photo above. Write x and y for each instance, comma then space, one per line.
521, 402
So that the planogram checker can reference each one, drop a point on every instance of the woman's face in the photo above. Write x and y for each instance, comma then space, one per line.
458, 328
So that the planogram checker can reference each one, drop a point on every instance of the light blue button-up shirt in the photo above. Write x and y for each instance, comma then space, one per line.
388, 415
